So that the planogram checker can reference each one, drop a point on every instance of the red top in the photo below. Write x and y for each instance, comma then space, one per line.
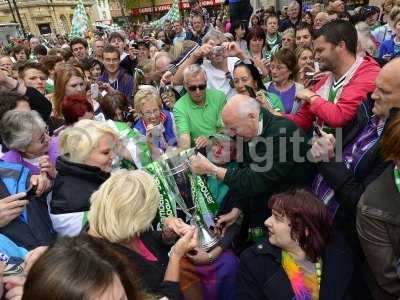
339, 114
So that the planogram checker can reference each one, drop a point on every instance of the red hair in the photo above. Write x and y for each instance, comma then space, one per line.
308, 217
74, 107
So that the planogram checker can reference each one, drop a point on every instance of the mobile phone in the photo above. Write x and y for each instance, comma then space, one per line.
32, 192
251, 91
94, 90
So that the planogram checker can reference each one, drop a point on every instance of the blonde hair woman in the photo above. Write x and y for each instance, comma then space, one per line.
121, 212
154, 122
87, 149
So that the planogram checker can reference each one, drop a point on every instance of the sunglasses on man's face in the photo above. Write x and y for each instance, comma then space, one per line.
194, 88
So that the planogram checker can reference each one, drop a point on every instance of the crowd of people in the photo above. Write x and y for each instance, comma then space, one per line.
293, 119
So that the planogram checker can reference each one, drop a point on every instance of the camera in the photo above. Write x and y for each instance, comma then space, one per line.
133, 44
218, 50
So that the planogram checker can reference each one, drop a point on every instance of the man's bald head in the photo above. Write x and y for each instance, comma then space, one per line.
239, 106
387, 92
241, 115
392, 68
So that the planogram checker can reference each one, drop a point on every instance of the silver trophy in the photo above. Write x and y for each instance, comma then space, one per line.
180, 179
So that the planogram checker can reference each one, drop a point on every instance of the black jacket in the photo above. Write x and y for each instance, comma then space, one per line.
350, 185
74, 185
152, 273
192, 36
262, 277
39, 102
272, 169
128, 65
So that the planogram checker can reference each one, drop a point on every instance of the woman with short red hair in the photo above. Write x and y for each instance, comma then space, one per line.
76, 107
301, 259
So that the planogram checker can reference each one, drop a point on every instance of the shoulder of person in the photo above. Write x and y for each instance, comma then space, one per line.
276, 123
181, 103
232, 60
298, 86
261, 251
369, 67
215, 94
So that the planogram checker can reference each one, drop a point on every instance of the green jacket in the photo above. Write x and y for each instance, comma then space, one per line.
261, 175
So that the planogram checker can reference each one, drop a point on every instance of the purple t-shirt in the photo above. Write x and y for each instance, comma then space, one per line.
287, 97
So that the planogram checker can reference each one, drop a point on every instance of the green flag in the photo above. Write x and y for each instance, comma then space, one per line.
172, 15
80, 22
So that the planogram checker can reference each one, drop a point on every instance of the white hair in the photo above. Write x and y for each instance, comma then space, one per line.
18, 127
247, 106
294, 4
213, 34
192, 71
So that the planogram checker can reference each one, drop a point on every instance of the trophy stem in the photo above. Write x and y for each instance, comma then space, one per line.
206, 238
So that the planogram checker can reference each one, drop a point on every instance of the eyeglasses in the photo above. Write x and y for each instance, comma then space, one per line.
194, 88
43, 137
149, 114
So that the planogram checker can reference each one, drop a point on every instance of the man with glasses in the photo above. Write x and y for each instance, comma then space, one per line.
114, 77
219, 60
198, 113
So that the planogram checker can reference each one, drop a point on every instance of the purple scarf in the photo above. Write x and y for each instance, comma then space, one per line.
352, 155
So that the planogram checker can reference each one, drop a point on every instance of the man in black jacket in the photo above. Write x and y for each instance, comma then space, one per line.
346, 177
274, 152
362, 163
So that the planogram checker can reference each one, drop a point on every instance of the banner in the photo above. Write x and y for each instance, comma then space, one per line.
171, 15
80, 22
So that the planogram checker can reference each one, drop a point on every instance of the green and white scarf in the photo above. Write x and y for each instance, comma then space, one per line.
207, 207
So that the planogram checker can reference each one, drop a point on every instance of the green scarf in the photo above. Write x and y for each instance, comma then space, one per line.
207, 207
135, 143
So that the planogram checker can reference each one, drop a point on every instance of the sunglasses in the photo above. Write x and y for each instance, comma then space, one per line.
246, 61
193, 88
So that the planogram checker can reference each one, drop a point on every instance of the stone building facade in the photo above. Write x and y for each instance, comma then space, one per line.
52, 16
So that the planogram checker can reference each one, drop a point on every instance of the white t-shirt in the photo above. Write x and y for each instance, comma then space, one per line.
216, 78
123, 55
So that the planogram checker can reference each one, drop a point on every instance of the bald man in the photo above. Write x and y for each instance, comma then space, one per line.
378, 224
340, 183
273, 159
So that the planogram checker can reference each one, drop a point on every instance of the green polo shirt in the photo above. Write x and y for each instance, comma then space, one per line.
199, 120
